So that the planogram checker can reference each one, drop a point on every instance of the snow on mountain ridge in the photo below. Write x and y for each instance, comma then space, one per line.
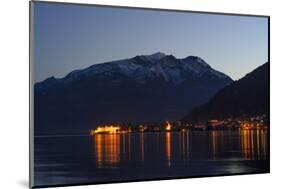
153, 57
140, 67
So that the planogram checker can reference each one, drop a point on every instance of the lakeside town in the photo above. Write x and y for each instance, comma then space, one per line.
244, 123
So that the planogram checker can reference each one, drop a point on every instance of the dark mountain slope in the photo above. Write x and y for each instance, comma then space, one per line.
245, 97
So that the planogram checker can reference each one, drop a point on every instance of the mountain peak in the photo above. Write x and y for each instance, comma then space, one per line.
49, 79
196, 59
157, 54
153, 57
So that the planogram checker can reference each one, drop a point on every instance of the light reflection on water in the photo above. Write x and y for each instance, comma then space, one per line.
107, 148
110, 149
130, 156
168, 148
254, 144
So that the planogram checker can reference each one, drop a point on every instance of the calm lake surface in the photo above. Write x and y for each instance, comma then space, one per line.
132, 156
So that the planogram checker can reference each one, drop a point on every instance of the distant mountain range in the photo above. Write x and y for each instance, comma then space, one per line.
146, 88
246, 97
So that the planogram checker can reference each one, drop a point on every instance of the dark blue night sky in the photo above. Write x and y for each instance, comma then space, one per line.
69, 37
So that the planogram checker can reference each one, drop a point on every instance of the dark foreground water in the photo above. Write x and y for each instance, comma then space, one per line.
132, 156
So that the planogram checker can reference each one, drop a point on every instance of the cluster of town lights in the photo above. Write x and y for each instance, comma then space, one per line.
253, 123
111, 129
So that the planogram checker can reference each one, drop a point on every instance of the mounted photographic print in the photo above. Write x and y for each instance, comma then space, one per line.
121, 94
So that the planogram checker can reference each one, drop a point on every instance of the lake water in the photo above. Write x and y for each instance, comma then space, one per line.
133, 156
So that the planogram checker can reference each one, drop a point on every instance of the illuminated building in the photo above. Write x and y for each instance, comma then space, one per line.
105, 129
168, 126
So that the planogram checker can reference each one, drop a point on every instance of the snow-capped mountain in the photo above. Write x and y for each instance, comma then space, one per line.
143, 68
145, 88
